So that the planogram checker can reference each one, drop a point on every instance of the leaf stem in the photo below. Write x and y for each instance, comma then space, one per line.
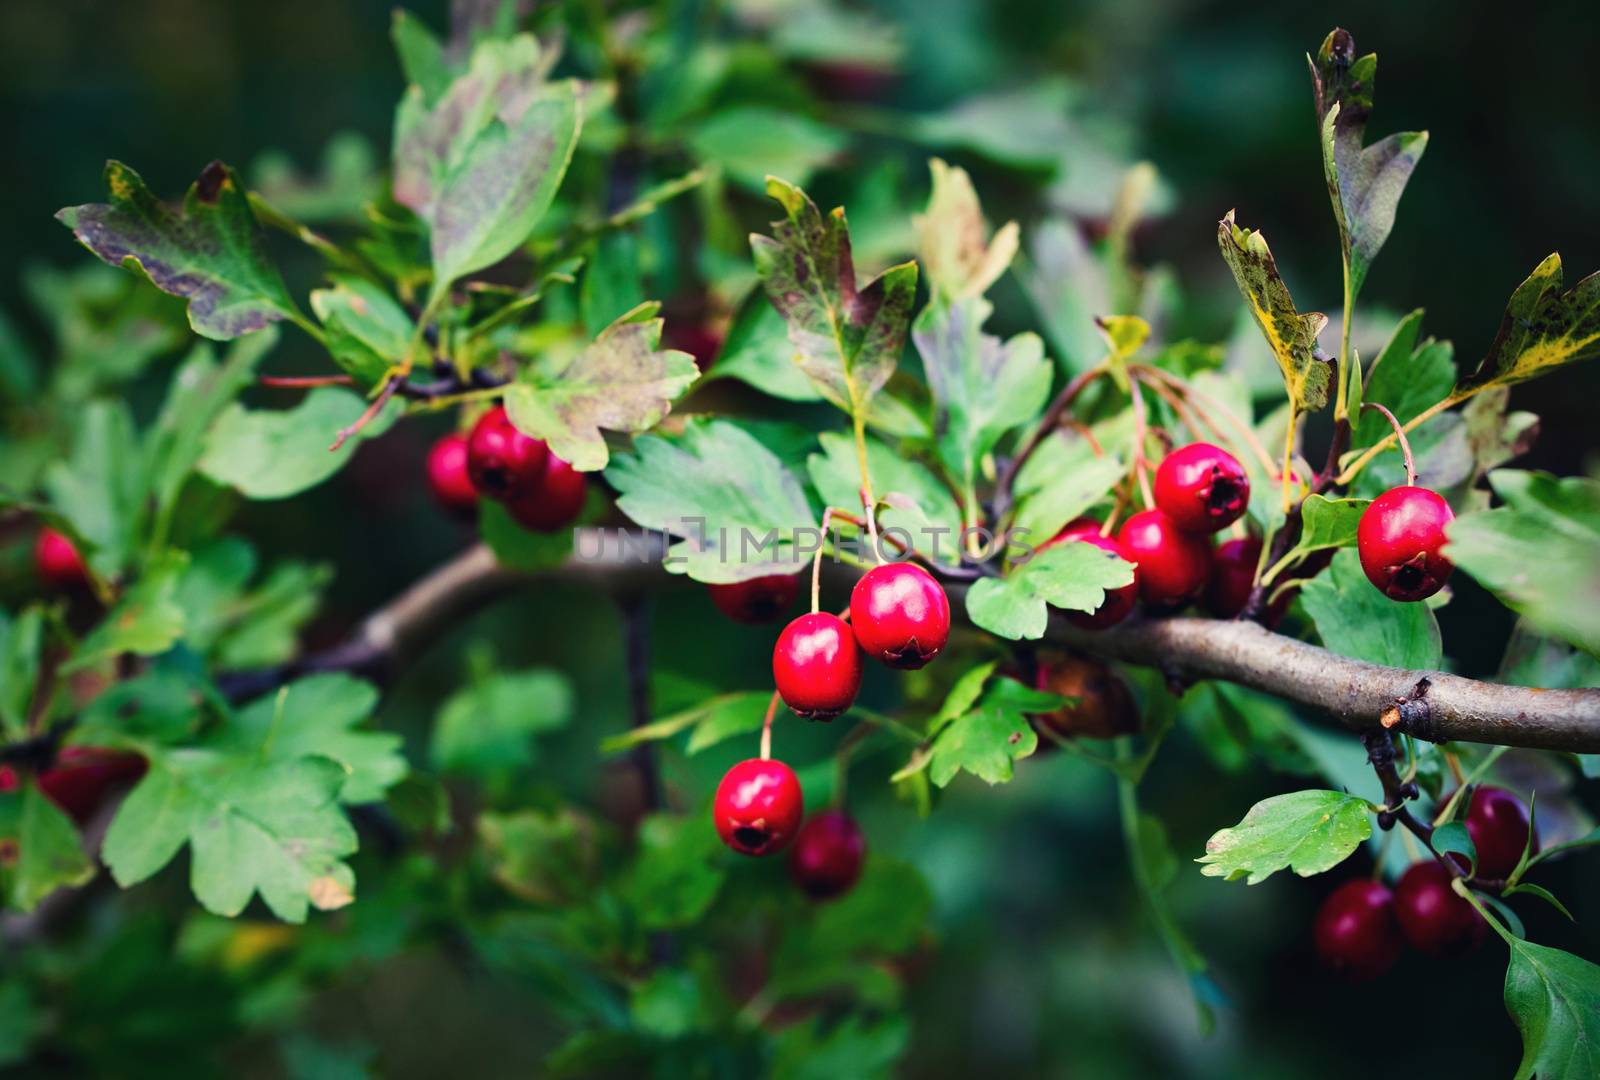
1197, 396
1341, 404
816, 563
1288, 456
1354, 468
1399, 433
1141, 469
869, 503
1047, 423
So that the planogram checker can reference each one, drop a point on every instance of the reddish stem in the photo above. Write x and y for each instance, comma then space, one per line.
1400, 434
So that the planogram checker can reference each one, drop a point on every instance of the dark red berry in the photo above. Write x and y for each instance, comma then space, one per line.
502, 461
1102, 706
758, 807
1202, 488
1233, 574
57, 560
900, 614
700, 340
448, 478
1173, 565
1355, 932
827, 855
1076, 529
1433, 918
817, 666
1400, 538
758, 600
82, 775
1498, 823
554, 502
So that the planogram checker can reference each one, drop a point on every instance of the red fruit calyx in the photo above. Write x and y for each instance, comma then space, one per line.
448, 478
758, 807
57, 560
1202, 488
758, 600
552, 502
502, 461
1433, 918
826, 859
900, 615
1355, 930
817, 666
1400, 539
1172, 565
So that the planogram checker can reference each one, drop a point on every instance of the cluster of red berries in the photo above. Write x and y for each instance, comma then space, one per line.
496, 461
758, 810
1361, 926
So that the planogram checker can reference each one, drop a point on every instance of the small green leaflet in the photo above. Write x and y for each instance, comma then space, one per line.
1554, 999
146, 621
489, 727
1328, 523
920, 508
1364, 184
276, 453
1354, 619
1407, 377
1537, 553
209, 252
49, 853
678, 872
1073, 576
545, 857
1543, 328
959, 261
1291, 335
757, 352
21, 639
621, 382
1305, 831
984, 742
100, 487
715, 719
517, 548
847, 338
367, 330
749, 141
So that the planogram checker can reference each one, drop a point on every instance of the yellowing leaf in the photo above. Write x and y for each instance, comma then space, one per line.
1124, 335
1291, 335
960, 258
1543, 328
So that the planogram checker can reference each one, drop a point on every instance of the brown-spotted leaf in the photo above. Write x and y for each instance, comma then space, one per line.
1291, 335
959, 256
1543, 328
621, 382
847, 338
208, 251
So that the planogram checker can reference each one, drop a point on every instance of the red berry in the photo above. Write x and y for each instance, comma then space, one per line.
900, 614
1202, 488
827, 855
700, 340
1355, 932
1118, 603
1433, 918
1233, 574
57, 560
1399, 541
82, 775
501, 460
758, 807
1173, 565
817, 666
1498, 823
758, 600
1076, 529
1102, 706
553, 502
448, 478
8, 778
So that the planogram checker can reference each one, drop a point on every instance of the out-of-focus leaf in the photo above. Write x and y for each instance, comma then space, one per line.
1305, 831
48, 851
517, 548
1024, 128
751, 141
21, 638
145, 621
1543, 328
490, 726
856, 1046
100, 488
348, 180
959, 257
1291, 336
677, 874
367, 330
1069, 288
757, 351
921, 509
548, 858
276, 453
1072, 576
1355, 619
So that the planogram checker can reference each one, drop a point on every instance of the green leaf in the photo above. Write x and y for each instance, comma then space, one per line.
489, 727
49, 852
545, 857
1537, 552
960, 263
1067, 285
273, 827
422, 56
847, 338
367, 330
622, 382
1364, 184
984, 742
1354, 619
1305, 831
208, 252
276, 453
736, 505
1328, 523
677, 874
1452, 837
1407, 377
146, 621
517, 548
100, 487
1026, 127
857, 1046
922, 509
21, 641
20, 1022
750, 141
1073, 576
1554, 999
1068, 494
1291, 336
348, 179
757, 352
1543, 328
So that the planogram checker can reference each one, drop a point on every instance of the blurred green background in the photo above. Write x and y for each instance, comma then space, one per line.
1044, 965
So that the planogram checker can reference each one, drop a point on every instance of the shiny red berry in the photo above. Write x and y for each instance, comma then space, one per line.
448, 478
82, 776
1233, 573
554, 502
1433, 918
1355, 931
1173, 565
57, 560
817, 666
900, 614
501, 460
827, 855
1202, 488
758, 807
1118, 603
1400, 538
758, 600
1498, 823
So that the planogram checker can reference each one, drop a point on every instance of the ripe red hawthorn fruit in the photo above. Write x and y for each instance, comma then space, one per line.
1173, 565
552, 502
758, 807
82, 775
758, 600
817, 666
1233, 572
1400, 538
1355, 930
501, 460
1498, 823
1104, 706
1433, 918
448, 478
56, 559
1202, 488
826, 859
900, 615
